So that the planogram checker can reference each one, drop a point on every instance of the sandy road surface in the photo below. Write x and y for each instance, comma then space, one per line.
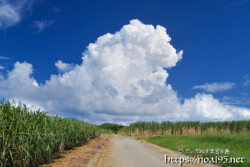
128, 152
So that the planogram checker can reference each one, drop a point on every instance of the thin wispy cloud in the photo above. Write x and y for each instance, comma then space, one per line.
2, 68
55, 10
246, 80
4, 58
247, 83
11, 12
238, 2
41, 25
215, 87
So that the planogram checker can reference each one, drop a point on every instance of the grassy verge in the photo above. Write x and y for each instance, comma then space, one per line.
238, 145
31, 138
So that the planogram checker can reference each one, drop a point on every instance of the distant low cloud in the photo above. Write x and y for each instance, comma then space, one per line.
64, 67
1, 77
215, 87
245, 101
11, 12
41, 25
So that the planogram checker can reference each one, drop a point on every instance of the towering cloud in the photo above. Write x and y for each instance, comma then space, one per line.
122, 78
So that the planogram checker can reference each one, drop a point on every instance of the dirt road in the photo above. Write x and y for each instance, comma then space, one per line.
82, 155
128, 152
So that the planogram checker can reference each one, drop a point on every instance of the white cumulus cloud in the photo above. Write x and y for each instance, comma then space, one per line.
205, 107
216, 87
122, 78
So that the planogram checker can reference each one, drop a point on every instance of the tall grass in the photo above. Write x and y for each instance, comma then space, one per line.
30, 138
182, 128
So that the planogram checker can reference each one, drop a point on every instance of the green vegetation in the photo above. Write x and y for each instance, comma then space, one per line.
237, 143
109, 128
30, 138
234, 135
105, 131
183, 128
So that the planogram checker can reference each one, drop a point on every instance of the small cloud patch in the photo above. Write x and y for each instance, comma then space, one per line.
64, 67
215, 87
41, 25
4, 58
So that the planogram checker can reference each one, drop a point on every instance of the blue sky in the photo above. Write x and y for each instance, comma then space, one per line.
214, 35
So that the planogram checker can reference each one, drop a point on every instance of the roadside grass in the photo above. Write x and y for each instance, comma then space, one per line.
141, 138
237, 143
